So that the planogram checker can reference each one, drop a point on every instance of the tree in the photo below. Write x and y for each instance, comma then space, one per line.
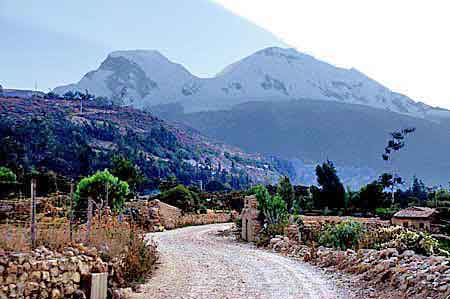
69, 95
126, 171
385, 180
332, 192
286, 191
181, 197
418, 189
273, 208
7, 176
215, 186
395, 144
371, 196
104, 188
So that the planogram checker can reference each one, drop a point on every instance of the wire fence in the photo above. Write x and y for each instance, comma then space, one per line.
54, 222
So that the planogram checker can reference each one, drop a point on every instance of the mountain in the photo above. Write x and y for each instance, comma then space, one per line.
284, 103
53, 135
147, 79
311, 131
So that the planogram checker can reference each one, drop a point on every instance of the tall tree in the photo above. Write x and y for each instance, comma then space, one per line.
371, 196
332, 191
126, 171
286, 191
395, 144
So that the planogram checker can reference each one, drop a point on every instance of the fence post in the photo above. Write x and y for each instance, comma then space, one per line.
71, 213
89, 220
33, 213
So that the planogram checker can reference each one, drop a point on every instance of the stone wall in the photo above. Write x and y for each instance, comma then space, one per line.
46, 274
208, 218
405, 274
169, 215
156, 216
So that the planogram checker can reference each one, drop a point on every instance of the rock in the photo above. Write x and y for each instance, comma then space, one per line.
32, 286
408, 253
83, 268
79, 294
35, 276
76, 277
56, 294
54, 271
69, 289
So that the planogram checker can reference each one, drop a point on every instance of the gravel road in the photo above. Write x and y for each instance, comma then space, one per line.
197, 263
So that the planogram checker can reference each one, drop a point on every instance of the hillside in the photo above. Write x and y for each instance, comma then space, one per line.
146, 79
310, 131
54, 135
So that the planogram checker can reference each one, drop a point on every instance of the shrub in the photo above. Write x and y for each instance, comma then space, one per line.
268, 232
273, 208
386, 213
139, 259
342, 235
98, 186
419, 242
7, 176
181, 197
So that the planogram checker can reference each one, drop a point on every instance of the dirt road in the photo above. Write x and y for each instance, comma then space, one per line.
196, 263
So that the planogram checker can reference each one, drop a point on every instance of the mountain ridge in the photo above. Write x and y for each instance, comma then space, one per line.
146, 78
54, 134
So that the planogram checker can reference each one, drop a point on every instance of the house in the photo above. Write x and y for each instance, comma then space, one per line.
419, 218
250, 219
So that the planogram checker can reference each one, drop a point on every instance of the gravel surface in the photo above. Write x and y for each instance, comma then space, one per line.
197, 263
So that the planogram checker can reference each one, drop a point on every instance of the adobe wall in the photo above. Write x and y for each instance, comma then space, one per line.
413, 223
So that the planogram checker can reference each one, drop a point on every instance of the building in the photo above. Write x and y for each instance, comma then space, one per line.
250, 219
418, 218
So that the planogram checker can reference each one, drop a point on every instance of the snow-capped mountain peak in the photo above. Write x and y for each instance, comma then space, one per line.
147, 78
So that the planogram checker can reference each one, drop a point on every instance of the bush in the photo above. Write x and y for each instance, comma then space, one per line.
273, 207
386, 213
419, 242
268, 232
181, 197
342, 235
139, 259
7, 176
98, 186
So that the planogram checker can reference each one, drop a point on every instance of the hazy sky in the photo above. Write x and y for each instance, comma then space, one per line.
57, 42
402, 44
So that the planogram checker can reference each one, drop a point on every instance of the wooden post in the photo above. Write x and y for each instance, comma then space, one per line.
33, 213
71, 212
99, 286
89, 220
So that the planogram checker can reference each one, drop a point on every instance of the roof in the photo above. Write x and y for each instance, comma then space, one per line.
415, 212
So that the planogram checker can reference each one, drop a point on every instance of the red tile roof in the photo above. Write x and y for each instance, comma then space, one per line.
415, 212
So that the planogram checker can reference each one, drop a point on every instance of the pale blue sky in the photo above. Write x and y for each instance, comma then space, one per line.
56, 42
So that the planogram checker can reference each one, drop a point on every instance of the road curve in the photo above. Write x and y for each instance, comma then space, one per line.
196, 263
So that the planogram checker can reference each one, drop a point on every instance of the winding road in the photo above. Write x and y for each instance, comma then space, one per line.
197, 263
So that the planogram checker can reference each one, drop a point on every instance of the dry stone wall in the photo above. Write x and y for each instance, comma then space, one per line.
408, 274
156, 216
46, 274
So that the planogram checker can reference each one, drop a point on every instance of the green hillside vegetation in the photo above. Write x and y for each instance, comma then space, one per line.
52, 137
